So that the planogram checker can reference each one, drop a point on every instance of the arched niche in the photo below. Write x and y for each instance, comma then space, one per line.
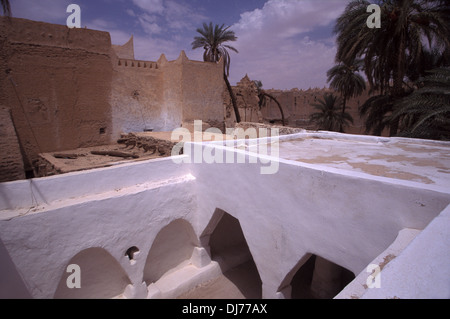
172, 247
227, 245
315, 277
101, 276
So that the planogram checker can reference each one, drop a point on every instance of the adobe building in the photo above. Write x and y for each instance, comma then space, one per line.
297, 106
70, 88
302, 215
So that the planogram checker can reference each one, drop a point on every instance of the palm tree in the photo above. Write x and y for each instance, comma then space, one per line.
376, 111
426, 112
329, 116
345, 79
399, 42
6, 7
431, 59
263, 95
212, 40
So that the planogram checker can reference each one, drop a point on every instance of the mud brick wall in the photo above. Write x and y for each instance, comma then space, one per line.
11, 163
57, 82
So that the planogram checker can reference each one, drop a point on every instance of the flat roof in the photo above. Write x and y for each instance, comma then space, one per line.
421, 161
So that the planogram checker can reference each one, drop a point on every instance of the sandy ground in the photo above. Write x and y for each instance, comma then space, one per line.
85, 160
242, 282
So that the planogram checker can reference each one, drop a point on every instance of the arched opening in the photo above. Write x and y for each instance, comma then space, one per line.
171, 249
100, 276
227, 243
315, 277
228, 247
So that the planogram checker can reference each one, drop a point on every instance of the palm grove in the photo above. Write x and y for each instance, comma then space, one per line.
406, 63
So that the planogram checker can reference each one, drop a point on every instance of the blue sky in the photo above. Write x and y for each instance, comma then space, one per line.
284, 43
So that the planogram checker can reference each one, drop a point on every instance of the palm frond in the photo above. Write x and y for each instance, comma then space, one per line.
427, 108
329, 115
212, 40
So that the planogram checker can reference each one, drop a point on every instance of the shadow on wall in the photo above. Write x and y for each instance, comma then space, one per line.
12, 285
230, 250
172, 247
315, 277
102, 276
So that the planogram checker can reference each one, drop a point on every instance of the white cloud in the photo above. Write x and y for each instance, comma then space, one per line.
130, 12
149, 24
273, 46
151, 48
100, 24
179, 16
287, 17
150, 6
149, 43
171, 14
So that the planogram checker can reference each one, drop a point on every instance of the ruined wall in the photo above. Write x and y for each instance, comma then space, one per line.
57, 83
297, 106
247, 101
11, 163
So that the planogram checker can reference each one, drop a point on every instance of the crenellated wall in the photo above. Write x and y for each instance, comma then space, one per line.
136, 96
137, 64
165, 95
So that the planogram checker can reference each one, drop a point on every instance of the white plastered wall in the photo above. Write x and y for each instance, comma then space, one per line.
348, 218
113, 209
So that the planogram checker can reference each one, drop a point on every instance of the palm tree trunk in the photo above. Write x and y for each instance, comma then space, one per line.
233, 99
398, 75
6, 6
344, 101
279, 106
